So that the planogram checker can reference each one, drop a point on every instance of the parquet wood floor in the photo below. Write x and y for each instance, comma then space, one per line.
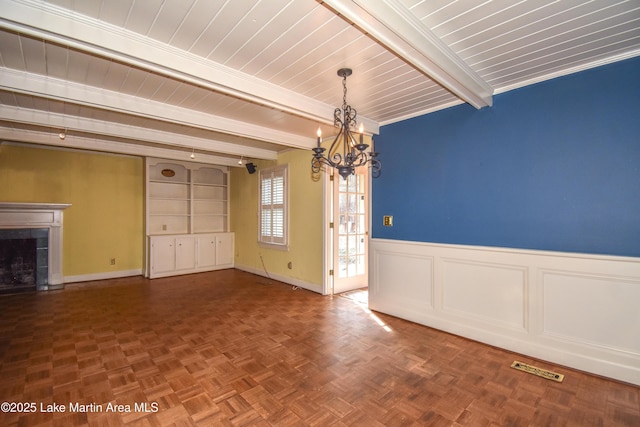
232, 349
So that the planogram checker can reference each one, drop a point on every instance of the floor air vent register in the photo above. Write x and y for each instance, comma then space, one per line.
537, 371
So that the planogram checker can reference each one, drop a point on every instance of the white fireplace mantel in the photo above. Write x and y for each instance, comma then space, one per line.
39, 215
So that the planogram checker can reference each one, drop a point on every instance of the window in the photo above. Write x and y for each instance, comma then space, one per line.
273, 206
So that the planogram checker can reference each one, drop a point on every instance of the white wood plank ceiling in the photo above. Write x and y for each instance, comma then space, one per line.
233, 78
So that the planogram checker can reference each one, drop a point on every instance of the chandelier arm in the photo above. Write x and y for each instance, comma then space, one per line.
337, 118
335, 145
376, 167
352, 141
337, 160
346, 145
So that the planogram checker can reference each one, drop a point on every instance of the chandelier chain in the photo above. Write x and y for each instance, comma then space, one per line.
344, 92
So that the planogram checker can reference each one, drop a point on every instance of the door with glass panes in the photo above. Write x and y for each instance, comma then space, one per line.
350, 231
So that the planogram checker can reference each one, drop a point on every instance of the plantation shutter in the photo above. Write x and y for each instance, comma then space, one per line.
273, 206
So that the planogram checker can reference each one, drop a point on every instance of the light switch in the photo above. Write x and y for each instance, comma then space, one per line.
387, 221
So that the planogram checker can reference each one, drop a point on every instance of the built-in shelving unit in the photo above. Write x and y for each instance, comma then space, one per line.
182, 200
186, 199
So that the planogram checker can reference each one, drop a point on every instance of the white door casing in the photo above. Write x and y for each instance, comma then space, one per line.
350, 232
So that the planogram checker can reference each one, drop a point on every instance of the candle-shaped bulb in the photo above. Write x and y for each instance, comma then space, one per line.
361, 130
319, 136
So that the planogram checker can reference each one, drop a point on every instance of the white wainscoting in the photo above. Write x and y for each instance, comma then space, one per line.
576, 310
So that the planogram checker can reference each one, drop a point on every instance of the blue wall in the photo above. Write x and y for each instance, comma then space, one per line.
552, 166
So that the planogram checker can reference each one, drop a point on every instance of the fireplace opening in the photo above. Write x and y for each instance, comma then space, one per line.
24, 259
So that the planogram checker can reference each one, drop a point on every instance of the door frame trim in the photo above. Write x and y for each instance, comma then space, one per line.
327, 238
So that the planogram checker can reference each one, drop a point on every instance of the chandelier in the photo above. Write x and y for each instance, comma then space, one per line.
347, 151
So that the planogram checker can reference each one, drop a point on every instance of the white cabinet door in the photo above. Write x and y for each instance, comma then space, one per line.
206, 251
185, 253
224, 249
163, 255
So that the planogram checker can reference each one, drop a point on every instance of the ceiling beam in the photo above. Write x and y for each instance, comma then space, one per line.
45, 21
75, 93
83, 143
399, 30
127, 132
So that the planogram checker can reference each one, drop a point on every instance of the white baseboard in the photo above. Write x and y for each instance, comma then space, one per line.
285, 279
102, 276
576, 310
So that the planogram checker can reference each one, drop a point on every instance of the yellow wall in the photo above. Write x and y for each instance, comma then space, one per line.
106, 219
305, 221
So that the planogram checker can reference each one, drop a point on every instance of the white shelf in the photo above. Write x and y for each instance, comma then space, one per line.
169, 181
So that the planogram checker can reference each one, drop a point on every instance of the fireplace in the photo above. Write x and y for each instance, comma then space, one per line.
30, 246
24, 259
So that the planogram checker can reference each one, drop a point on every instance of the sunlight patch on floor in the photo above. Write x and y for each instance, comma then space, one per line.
361, 298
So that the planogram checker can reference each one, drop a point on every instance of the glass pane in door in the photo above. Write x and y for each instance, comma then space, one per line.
351, 230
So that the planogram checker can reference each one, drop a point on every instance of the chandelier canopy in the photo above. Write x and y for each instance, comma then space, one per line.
347, 151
